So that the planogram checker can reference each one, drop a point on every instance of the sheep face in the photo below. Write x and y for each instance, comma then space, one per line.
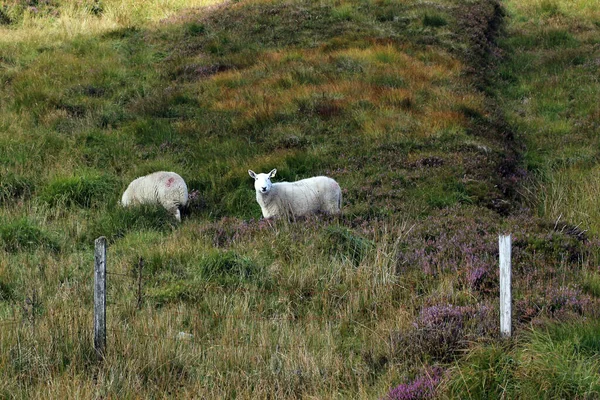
262, 182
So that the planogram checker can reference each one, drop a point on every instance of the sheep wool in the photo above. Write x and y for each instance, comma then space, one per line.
165, 188
295, 199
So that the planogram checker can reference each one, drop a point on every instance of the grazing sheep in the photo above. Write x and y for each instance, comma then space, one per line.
165, 188
294, 199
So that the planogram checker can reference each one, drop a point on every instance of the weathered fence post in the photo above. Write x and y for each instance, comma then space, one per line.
100, 297
504, 243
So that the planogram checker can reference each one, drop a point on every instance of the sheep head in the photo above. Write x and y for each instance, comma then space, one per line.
262, 182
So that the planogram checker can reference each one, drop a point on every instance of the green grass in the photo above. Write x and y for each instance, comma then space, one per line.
552, 102
84, 190
562, 361
383, 96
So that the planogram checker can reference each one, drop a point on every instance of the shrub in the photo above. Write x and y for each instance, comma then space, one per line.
460, 244
441, 330
481, 277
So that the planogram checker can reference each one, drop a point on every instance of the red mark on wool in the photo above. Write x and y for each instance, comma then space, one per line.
169, 182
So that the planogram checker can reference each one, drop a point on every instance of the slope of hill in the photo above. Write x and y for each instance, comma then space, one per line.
393, 99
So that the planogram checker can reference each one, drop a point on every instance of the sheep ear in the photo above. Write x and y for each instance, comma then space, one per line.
252, 174
272, 173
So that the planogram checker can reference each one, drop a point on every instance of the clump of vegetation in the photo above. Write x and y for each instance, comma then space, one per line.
434, 20
83, 191
25, 235
422, 387
229, 268
172, 292
14, 187
346, 245
440, 331
117, 222
7, 291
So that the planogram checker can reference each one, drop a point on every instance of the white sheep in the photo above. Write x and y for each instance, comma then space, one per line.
165, 188
294, 199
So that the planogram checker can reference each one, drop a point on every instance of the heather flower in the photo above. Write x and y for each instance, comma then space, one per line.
566, 299
526, 310
443, 315
481, 278
450, 245
440, 329
476, 277
423, 387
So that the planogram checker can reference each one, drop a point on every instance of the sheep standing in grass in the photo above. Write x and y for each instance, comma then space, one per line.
295, 199
165, 188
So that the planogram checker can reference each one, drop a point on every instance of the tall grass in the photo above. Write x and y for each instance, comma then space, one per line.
49, 22
560, 362
569, 195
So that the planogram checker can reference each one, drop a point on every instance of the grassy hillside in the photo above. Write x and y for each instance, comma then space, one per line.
551, 92
396, 100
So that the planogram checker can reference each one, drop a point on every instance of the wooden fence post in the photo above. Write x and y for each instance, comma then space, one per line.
504, 243
100, 297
